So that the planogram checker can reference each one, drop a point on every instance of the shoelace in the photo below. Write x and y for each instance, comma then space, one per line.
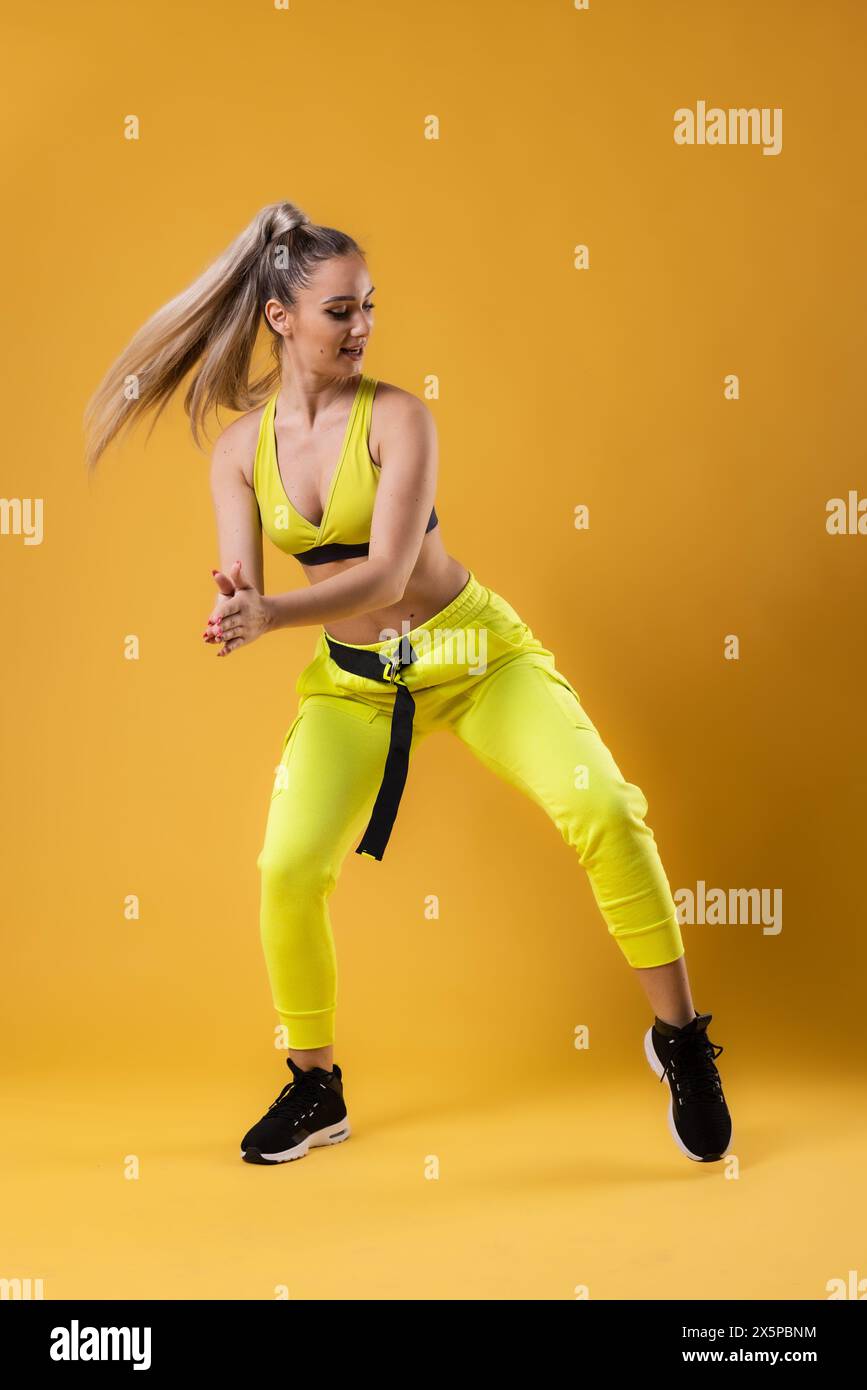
691, 1068
296, 1098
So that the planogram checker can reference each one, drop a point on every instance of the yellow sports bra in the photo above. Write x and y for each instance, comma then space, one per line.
345, 526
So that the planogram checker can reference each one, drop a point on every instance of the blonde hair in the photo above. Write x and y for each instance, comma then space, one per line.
214, 323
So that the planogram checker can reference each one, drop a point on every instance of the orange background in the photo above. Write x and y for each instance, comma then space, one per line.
557, 387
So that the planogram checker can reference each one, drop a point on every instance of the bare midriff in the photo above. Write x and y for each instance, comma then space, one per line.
436, 579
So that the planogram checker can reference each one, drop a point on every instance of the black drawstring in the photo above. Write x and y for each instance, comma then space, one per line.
371, 665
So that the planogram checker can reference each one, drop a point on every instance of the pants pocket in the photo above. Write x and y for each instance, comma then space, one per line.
283, 761
346, 704
567, 698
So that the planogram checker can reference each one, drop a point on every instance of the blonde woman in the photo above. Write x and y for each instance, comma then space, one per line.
339, 470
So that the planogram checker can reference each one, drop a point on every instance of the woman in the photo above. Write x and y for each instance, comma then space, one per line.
340, 471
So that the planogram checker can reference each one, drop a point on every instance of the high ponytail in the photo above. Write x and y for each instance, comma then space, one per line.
214, 322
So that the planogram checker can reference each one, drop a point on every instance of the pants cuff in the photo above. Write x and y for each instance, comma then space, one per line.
309, 1030
658, 944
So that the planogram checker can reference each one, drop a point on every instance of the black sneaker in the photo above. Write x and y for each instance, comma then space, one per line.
698, 1116
309, 1111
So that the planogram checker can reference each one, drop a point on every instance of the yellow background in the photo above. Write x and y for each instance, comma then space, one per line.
557, 387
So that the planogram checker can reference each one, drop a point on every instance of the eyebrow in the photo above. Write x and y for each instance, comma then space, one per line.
331, 299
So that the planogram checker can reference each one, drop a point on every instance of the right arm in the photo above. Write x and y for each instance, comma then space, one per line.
239, 528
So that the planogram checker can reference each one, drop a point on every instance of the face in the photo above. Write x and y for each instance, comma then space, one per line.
333, 314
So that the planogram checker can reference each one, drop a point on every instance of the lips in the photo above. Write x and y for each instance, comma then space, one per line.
353, 352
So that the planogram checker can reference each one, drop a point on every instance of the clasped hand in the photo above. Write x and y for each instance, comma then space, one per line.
241, 613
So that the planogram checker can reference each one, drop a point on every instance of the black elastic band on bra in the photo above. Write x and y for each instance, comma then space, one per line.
321, 554
338, 550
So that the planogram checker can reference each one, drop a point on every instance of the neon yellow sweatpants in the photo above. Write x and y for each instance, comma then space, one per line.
481, 674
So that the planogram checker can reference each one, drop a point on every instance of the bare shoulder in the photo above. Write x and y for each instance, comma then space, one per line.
395, 413
395, 402
235, 448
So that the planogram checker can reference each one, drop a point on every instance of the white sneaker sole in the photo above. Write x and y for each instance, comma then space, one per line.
332, 1134
658, 1069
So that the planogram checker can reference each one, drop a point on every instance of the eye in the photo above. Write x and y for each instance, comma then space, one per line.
341, 313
